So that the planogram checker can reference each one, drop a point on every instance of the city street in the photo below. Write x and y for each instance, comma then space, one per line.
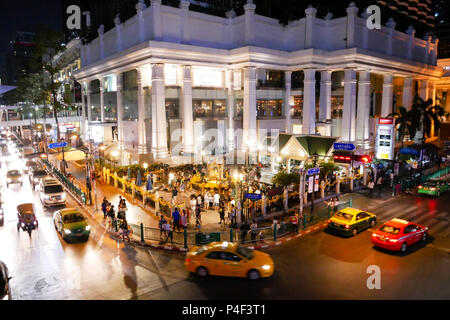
318, 266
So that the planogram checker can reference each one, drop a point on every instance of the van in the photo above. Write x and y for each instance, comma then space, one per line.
51, 192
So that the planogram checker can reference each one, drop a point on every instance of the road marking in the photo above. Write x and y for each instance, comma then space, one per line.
425, 216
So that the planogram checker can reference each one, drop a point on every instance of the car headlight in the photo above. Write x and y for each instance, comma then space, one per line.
6, 297
63, 196
266, 267
9, 180
67, 231
46, 197
88, 228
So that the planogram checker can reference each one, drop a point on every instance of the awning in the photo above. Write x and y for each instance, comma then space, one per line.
4, 89
74, 155
300, 147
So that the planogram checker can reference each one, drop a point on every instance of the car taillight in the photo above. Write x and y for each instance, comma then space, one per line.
347, 226
375, 235
432, 188
188, 260
393, 240
420, 187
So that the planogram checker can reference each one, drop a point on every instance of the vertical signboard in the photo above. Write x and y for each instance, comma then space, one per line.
385, 139
316, 183
310, 184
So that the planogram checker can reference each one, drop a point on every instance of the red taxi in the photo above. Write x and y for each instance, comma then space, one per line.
398, 235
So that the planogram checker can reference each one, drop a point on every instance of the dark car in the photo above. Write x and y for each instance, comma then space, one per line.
36, 173
5, 292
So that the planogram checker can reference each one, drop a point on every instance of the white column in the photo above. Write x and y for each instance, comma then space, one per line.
287, 101
407, 93
249, 141
362, 116
184, 25
119, 109
352, 13
411, 32
387, 97
391, 25
118, 28
309, 102
186, 105
83, 112
89, 105
102, 99
310, 13
159, 104
156, 19
432, 91
348, 116
424, 89
101, 31
230, 108
140, 6
325, 95
249, 22
142, 135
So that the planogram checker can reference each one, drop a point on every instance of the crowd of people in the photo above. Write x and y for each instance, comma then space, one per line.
113, 220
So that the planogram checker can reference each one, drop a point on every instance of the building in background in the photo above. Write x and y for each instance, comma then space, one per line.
19, 56
173, 74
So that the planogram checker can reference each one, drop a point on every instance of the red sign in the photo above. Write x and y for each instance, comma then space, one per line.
385, 121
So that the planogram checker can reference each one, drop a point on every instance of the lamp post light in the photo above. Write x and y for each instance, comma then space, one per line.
145, 165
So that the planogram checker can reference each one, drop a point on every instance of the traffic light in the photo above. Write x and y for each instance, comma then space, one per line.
342, 157
362, 158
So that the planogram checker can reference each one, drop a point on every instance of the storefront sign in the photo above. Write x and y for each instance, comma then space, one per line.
253, 196
385, 139
206, 77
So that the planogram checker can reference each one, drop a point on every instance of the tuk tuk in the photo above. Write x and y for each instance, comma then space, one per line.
26, 217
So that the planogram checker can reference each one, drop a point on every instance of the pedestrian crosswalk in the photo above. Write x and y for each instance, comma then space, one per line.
435, 219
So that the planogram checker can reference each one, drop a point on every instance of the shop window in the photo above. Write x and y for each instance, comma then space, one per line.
269, 108
337, 107
172, 108
271, 79
209, 108
297, 108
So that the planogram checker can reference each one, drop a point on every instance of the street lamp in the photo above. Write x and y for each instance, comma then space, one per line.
145, 165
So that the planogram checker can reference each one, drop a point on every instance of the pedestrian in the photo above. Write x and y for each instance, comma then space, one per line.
112, 217
168, 230
294, 222
104, 207
199, 200
174, 194
244, 229
216, 200
184, 220
124, 230
193, 203
391, 178
371, 185
198, 214
206, 200
198, 225
233, 216
380, 183
176, 219
222, 213
162, 222
253, 230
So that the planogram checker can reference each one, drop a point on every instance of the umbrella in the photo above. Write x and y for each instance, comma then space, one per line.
129, 173
149, 183
409, 151
139, 178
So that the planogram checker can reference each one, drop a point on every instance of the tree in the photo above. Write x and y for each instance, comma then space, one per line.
406, 122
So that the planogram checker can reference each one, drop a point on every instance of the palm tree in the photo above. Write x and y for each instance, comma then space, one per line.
406, 122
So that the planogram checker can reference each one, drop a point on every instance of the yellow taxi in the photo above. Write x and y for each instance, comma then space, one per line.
350, 221
228, 259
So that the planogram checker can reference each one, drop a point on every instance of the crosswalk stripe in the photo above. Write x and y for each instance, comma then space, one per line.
441, 228
437, 225
425, 217
395, 212
412, 213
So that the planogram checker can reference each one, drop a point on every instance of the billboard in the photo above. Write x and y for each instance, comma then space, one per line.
385, 139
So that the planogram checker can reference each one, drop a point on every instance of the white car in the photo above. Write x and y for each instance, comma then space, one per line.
51, 192
14, 176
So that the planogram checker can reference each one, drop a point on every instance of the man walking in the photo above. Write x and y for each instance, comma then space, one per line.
253, 230
221, 213
176, 219
168, 230
294, 222
244, 230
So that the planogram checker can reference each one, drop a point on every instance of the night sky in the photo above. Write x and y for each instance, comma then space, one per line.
18, 14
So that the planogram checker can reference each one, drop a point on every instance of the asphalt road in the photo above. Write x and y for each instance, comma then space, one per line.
318, 266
